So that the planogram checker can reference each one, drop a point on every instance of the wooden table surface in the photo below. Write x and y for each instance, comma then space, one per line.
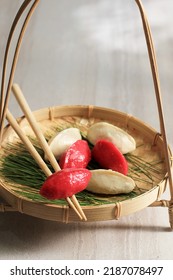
92, 52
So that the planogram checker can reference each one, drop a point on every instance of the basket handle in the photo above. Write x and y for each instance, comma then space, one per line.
4, 98
155, 75
153, 64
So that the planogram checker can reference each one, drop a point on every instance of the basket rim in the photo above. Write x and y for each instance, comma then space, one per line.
86, 111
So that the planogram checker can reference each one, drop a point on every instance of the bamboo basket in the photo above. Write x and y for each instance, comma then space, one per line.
151, 144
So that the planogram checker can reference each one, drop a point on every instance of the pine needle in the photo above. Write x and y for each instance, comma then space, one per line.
25, 177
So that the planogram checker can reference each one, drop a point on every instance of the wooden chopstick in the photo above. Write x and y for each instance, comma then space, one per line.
33, 123
12, 121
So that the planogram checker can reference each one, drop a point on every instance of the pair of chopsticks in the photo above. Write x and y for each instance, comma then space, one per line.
73, 202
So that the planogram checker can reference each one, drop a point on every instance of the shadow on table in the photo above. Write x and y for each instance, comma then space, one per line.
22, 232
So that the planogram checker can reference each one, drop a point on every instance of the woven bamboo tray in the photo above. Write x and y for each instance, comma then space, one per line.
151, 146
